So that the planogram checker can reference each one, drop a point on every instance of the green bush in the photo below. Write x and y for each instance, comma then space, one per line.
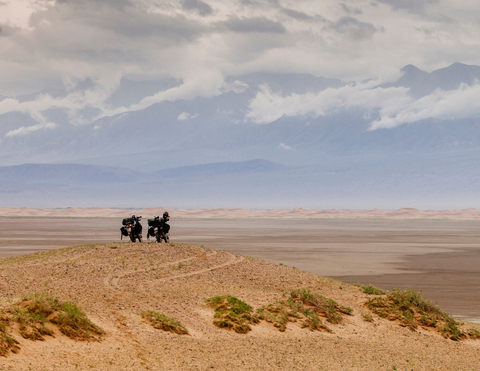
162, 322
232, 313
412, 310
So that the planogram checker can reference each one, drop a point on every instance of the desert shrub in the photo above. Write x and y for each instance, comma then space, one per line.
232, 313
321, 304
34, 312
408, 307
474, 334
372, 290
450, 330
162, 322
306, 306
367, 317
411, 310
7, 342
74, 323
298, 305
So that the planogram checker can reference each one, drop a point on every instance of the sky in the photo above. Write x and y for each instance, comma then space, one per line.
58, 43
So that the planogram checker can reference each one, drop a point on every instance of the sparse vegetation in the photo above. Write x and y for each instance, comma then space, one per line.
322, 305
162, 322
300, 305
450, 330
7, 342
37, 313
371, 290
305, 306
474, 334
232, 313
367, 317
412, 310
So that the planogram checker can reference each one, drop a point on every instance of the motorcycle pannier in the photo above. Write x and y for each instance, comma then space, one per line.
128, 221
153, 222
124, 231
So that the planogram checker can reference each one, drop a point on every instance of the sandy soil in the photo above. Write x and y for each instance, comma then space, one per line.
114, 282
441, 258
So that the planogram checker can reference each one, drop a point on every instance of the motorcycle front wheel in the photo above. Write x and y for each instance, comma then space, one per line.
158, 237
133, 238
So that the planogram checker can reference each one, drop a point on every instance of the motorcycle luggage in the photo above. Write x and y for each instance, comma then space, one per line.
128, 221
124, 231
151, 232
153, 222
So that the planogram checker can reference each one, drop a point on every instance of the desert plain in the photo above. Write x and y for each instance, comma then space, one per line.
258, 258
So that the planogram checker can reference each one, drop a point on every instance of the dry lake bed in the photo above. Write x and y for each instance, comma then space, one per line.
439, 257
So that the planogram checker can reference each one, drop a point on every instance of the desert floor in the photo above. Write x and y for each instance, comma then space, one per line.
115, 282
439, 257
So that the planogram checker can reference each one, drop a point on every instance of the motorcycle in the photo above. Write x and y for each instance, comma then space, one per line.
132, 228
159, 229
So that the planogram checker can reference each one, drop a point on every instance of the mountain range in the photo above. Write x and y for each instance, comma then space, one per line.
220, 151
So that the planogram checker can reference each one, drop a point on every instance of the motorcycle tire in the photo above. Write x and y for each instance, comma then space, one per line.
133, 238
158, 237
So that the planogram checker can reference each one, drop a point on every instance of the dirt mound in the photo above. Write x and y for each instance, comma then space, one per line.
155, 307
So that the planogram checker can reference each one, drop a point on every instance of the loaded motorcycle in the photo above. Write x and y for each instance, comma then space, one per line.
132, 227
159, 228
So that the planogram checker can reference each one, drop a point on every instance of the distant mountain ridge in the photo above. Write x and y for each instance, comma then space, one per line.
422, 83
204, 152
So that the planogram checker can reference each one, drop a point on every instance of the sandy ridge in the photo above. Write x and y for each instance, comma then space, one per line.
403, 213
131, 344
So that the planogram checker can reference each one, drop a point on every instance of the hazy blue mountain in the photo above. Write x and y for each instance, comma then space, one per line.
222, 169
287, 83
203, 153
427, 181
422, 83
69, 174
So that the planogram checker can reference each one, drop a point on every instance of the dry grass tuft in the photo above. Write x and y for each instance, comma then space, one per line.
37, 313
412, 310
162, 322
232, 313
370, 289
7, 342
302, 304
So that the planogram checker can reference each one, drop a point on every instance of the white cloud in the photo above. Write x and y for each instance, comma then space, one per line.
186, 116
47, 43
395, 107
442, 105
286, 147
268, 107
25, 130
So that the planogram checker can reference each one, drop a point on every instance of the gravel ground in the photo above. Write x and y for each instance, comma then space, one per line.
114, 282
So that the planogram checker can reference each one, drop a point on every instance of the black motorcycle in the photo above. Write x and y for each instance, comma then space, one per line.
133, 228
159, 229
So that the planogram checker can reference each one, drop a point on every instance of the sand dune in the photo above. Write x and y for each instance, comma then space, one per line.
115, 282
403, 213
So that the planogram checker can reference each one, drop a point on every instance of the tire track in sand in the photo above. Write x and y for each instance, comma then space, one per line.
233, 259
112, 278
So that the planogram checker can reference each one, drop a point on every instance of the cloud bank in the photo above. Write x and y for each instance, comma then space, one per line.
394, 106
57, 44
